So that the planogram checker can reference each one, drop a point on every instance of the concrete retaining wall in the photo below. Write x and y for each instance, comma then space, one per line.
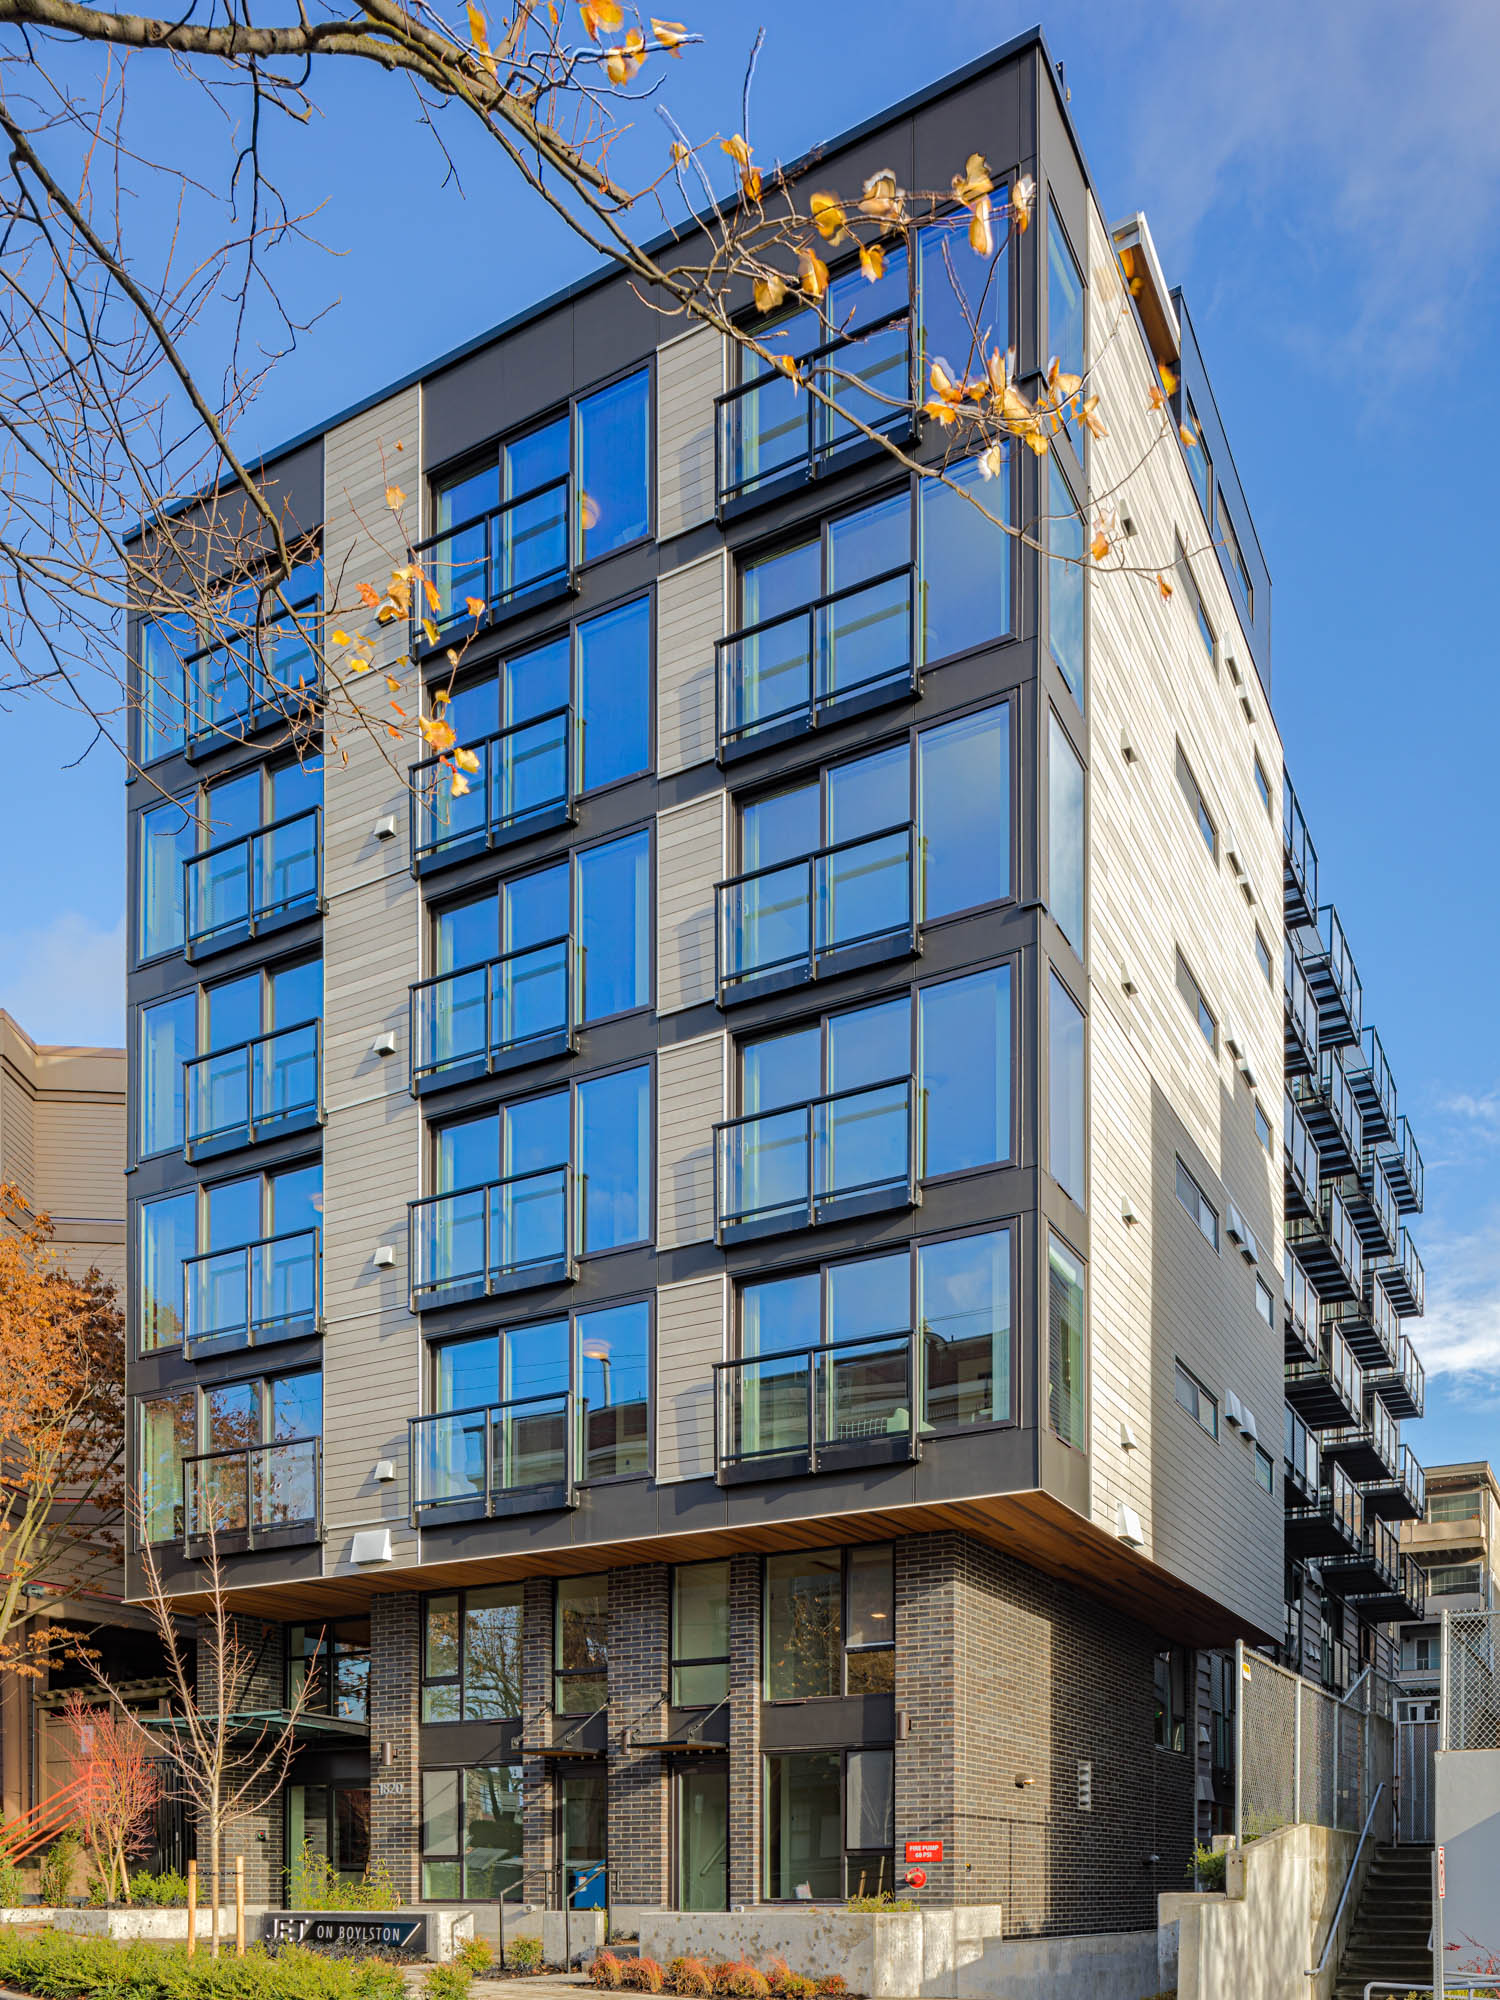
1257, 1939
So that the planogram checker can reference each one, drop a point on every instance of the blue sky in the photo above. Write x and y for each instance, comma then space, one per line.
1323, 180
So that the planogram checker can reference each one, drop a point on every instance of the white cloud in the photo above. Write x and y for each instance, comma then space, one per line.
65, 982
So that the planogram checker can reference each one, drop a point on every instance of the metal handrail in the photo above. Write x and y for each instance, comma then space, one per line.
494, 601
423, 1066
816, 947
1314, 1971
254, 909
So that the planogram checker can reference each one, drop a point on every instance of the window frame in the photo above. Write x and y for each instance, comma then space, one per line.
458, 1680
843, 1692
1202, 1397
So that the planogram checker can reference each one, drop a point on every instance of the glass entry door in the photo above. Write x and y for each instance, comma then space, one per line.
703, 1837
584, 1842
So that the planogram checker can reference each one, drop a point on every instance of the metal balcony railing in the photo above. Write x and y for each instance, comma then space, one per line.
771, 435
259, 883
253, 1295
1328, 1391
246, 679
847, 1153
851, 650
1300, 1014
253, 1496
1334, 980
814, 1409
1403, 1163
524, 786
847, 905
516, 1457
516, 555
256, 1090
511, 1010
501, 1236
1299, 861
1374, 1088
1300, 1160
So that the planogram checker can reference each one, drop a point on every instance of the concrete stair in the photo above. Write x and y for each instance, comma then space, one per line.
1388, 1939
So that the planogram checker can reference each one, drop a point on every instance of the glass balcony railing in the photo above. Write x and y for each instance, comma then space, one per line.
839, 907
772, 435
524, 785
850, 1153
514, 1009
499, 1237
253, 1495
852, 650
253, 1295
261, 882
518, 554
247, 678
1403, 1165
810, 1409
257, 1090
1299, 861
503, 1458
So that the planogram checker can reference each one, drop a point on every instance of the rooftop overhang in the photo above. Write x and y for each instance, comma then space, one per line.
1034, 1527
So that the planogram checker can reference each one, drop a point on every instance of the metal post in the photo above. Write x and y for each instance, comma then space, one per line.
239, 1906
1297, 1752
1239, 1742
192, 1908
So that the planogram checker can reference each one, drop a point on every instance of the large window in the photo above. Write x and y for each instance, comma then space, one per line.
1065, 1364
1065, 584
332, 1661
830, 1824
580, 1644
471, 1655
830, 1623
1065, 842
1065, 1090
472, 1834
700, 1634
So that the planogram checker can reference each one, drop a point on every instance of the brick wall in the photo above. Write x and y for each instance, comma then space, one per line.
638, 1812
259, 1682
395, 1697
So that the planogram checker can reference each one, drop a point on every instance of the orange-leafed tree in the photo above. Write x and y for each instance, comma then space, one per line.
62, 1431
119, 1787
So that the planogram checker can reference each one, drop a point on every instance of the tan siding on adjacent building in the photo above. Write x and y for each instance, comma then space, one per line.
690, 1082
690, 616
1159, 1292
689, 861
689, 374
689, 1340
372, 949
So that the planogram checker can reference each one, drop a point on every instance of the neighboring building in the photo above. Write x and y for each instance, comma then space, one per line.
766, 1219
1456, 1545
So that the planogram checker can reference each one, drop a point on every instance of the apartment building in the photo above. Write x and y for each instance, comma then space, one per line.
725, 1290
1456, 1547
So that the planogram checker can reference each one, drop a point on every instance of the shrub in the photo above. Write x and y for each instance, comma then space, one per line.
606, 1970
446, 1982
1206, 1869
642, 1975
524, 1954
55, 1877
740, 1980
690, 1977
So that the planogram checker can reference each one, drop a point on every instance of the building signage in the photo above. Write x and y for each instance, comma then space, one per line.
924, 1850
387, 1932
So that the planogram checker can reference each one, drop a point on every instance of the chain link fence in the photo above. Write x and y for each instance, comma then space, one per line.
1469, 1709
1307, 1756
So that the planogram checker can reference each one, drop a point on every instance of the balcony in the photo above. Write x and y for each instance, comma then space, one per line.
250, 887
490, 1018
1335, 982
1403, 1495
1300, 1015
510, 560
847, 1154
1300, 1159
831, 911
259, 1496
1299, 863
1372, 1205
481, 1241
1374, 1089
520, 1457
773, 437
1299, 1309
817, 1409
1328, 1247
524, 786
1372, 1568
822, 663
254, 1295
1327, 1392
1404, 1387
1405, 1280
1369, 1324
1329, 1522
260, 1089
1369, 1448
1328, 1104
1403, 1166
251, 680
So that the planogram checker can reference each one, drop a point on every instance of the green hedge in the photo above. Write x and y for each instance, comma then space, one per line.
56, 1966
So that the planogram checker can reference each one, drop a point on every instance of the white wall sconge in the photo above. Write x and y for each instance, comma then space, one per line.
385, 1257
1130, 1530
383, 1471
385, 827
1127, 1211
384, 1043
371, 1545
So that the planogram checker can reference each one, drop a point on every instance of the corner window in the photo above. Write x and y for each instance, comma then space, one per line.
1065, 1090
700, 1634
1170, 1676
471, 1655
1192, 792
1197, 1006
614, 466
580, 1644
1065, 1385
1198, 1206
830, 1623
1065, 584
1196, 1400
1065, 841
